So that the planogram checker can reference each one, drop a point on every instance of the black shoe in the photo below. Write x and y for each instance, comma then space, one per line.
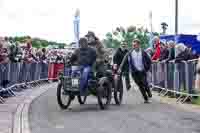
146, 102
128, 87
72, 97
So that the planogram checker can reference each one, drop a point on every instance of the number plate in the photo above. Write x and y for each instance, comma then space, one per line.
75, 82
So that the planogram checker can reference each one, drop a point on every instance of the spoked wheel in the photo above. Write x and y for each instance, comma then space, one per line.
118, 90
82, 99
104, 93
64, 100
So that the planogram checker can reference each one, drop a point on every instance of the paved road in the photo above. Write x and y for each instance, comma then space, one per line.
131, 117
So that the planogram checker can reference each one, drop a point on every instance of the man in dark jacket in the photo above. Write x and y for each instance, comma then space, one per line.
15, 53
84, 57
139, 64
118, 58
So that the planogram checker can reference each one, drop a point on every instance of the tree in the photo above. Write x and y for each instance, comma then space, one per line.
164, 27
36, 42
114, 39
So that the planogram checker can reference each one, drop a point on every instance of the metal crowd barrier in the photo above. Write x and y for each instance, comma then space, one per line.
177, 79
17, 76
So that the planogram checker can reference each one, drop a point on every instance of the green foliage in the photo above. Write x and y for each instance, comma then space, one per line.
114, 39
37, 42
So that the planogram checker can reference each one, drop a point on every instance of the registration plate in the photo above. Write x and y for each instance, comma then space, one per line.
75, 82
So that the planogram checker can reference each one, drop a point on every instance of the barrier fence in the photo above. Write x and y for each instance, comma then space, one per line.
13, 75
176, 79
172, 78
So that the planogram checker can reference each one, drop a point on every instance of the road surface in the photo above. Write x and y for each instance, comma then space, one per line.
133, 116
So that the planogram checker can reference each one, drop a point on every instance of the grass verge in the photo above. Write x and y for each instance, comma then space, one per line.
196, 101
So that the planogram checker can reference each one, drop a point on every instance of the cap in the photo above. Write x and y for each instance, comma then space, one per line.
137, 40
90, 33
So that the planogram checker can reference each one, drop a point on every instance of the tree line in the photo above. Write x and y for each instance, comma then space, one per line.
36, 42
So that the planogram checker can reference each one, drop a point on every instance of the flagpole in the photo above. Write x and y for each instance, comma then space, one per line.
151, 28
150, 18
77, 27
176, 17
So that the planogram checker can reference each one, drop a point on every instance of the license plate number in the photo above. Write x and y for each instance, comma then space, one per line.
75, 82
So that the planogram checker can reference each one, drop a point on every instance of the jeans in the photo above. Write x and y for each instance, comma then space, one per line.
84, 79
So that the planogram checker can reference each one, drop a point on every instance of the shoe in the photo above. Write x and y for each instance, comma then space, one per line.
72, 97
146, 102
129, 87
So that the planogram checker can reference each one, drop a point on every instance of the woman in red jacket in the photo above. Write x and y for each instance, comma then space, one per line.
156, 55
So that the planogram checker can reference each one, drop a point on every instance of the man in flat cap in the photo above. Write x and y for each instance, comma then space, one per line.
139, 65
95, 43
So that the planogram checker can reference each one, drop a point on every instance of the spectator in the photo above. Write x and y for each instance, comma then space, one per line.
59, 58
43, 56
28, 53
15, 54
164, 53
171, 51
35, 55
191, 53
181, 53
7, 42
3, 53
156, 55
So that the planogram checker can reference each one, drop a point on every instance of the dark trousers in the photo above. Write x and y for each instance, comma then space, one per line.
140, 79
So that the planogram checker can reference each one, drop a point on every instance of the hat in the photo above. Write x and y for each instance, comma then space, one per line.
137, 40
90, 33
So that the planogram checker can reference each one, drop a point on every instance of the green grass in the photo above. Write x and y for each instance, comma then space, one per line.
196, 101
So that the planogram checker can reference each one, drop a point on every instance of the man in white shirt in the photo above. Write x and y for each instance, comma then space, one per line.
139, 65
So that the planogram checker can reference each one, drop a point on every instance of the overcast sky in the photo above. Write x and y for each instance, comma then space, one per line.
53, 19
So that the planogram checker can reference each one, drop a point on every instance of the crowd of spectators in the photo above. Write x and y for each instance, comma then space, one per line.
165, 52
17, 52
170, 51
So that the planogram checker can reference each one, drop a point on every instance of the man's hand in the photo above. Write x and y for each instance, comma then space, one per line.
154, 61
163, 61
119, 71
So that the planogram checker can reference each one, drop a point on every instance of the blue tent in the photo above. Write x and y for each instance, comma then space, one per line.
188, 40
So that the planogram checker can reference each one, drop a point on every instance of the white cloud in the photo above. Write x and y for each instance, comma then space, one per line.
53, 19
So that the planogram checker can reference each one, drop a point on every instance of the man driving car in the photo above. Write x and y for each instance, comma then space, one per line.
84, 57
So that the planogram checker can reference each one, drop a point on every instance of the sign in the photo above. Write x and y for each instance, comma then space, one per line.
75, 82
